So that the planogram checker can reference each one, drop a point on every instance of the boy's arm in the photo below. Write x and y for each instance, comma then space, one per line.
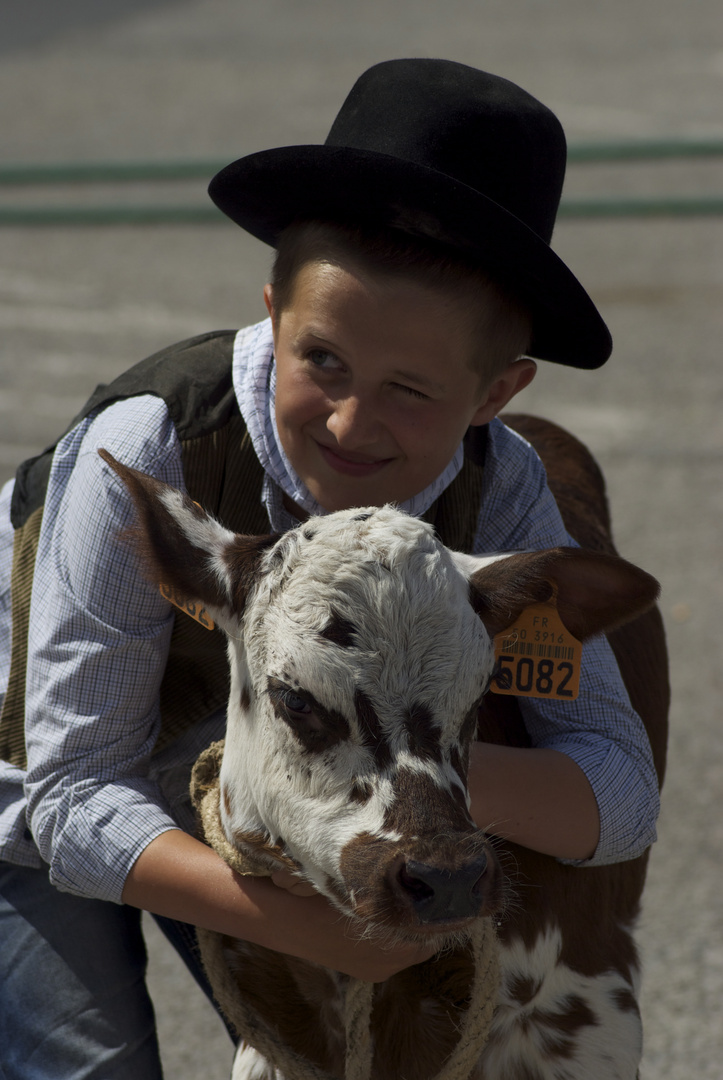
535, 797
605, 738
97, 649
181, 878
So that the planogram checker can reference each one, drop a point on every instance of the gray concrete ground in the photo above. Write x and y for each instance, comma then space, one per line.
218, 78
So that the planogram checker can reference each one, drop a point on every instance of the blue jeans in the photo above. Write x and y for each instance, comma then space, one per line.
73, 999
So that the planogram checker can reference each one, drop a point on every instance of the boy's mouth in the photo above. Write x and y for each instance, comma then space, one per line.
351, 464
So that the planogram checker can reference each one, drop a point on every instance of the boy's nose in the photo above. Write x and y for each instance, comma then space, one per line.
353, 422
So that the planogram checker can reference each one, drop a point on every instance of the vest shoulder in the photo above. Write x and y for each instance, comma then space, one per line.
194, 379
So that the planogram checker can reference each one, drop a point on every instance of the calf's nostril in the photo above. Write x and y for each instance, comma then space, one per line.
435, 893
417, 888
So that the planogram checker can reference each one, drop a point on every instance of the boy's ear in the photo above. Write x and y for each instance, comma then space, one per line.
503, 388
269, 300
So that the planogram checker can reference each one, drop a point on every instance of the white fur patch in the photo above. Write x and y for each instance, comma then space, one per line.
547, 1036
248, 1064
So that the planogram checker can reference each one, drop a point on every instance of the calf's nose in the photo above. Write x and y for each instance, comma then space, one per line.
436, 894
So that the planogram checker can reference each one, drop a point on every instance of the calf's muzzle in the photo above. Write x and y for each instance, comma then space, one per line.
439, 894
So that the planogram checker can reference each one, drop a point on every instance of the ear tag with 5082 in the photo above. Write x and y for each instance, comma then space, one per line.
538, 656
190, 607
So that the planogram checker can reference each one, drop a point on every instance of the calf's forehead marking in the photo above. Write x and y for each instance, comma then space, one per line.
339, 631
371, 730
335, 589
367, 614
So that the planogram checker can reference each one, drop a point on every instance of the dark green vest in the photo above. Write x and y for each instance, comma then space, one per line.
223, 474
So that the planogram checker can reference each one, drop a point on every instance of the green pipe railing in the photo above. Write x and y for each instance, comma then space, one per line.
111, 215
644, 150
20, 175
664, 206
111, 172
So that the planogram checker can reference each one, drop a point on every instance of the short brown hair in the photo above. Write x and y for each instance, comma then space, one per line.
497, 319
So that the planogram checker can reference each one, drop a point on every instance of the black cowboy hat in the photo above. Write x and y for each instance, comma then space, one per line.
458, 154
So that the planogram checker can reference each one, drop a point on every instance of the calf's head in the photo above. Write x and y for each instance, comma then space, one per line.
360, 648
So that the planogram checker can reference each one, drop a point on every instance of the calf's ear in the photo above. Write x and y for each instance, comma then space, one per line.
187, 549
595, 592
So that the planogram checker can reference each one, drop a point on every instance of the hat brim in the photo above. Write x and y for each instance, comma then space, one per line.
267, 191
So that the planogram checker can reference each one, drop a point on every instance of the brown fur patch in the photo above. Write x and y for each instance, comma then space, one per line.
559, 1029
299, 1000
371, 731
523, 989
361, 792
417, 1015
577, 1014
625, 1000
242, 559
421, 808
339, 631
423, 735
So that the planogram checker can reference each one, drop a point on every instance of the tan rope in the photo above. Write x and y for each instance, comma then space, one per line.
474, 1030
358, 1023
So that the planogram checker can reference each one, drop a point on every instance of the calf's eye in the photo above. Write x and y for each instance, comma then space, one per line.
315, 727
292, 705
296, 704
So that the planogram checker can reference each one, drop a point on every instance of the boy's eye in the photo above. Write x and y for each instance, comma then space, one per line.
413, 392
322, 358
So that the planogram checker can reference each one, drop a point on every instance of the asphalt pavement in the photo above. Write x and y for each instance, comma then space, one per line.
186, 80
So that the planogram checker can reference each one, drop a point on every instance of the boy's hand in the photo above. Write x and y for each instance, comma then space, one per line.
309, 927
286, 879
340, 946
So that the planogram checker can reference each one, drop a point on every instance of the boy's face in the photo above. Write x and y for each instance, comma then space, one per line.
374, 384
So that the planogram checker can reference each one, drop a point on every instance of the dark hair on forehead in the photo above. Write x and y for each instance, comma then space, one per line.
499, 324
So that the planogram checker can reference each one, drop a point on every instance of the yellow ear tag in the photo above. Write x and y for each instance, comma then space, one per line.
196, 610
538, 656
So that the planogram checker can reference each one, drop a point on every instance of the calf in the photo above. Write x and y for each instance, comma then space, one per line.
361, 652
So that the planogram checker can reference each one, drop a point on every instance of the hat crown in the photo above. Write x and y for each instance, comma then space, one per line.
447, 153
478, 129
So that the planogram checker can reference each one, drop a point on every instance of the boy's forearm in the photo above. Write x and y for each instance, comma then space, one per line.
535, 797
181, 878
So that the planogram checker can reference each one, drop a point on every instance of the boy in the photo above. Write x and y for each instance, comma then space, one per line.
413, 276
